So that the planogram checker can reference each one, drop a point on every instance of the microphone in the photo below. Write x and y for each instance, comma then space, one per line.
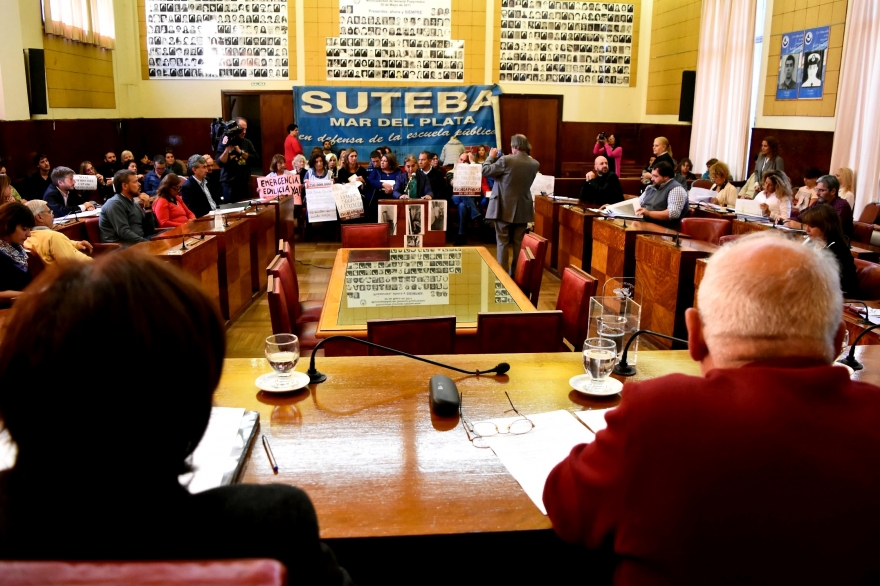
865, 320
624, 369
316, 377
183, 243
850, 359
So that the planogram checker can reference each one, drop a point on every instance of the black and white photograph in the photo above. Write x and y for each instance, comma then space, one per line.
585, 43
813, 69
415, 222
388, 215
438, 215
414, 240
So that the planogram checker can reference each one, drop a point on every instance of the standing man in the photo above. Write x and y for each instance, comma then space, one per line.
234, 160
328, 148
195, 192
122, 217
510, 204
665, 200
154, 177
292, 146
435, 175
61, 197
602, 186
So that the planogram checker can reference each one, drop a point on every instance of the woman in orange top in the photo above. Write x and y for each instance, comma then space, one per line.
169, 207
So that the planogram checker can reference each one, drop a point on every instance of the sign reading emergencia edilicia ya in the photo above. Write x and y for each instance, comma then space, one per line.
408, 120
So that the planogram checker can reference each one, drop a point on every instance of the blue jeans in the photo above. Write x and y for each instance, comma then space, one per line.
465, 203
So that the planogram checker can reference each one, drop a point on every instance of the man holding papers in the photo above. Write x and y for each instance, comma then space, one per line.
665, 200
602, 186
763, 470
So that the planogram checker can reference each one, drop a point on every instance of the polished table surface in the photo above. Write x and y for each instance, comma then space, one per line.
448, 281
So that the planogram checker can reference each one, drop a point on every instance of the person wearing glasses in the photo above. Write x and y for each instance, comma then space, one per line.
196, 193
53, 246
170, 209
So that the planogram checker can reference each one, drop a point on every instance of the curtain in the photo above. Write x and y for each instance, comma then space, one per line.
86, 21
724, 84
857, 128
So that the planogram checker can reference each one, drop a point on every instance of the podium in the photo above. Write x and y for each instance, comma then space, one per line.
199, 260
233, 259
665, 282
431, 237
264, 241
614, 247
575, 237
547, 213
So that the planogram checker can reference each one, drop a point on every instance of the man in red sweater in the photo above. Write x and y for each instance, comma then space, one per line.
764, 470
292, 146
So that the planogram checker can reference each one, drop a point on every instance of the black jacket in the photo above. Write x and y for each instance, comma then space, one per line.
55, 200
194, 197
602, 190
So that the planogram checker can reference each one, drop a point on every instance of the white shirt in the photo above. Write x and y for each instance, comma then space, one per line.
779, 208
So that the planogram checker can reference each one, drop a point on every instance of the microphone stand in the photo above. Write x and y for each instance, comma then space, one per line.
850, 359
622, 367
865, 321
316, 377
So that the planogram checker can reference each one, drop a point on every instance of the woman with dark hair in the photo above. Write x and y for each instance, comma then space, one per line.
825, 230
278, 166
121, 498
169, 207
683, 173
768, 160
317, 167
16, 221
381, 184
607, 146
349, 167
7, 193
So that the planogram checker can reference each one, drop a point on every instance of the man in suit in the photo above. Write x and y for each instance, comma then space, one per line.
61, 197
768, 459
510, 204
195, 192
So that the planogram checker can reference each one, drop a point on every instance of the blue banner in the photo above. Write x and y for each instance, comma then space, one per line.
408, 119
789, 66
815, 55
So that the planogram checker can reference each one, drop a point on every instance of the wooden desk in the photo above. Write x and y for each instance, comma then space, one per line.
482, 285
575, 237
233, 260
199, 260
285, 224
665, 282
702, 212
264, 241
431, 237
743, 227
871, 254
74, 230
547, 211
699, 272
614, 248
375, 461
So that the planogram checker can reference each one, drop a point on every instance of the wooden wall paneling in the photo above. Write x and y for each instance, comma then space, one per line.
151, 136
78, 75
539, 118
276, 112
800, 149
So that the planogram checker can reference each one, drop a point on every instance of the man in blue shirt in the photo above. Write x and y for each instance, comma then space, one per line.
154, 177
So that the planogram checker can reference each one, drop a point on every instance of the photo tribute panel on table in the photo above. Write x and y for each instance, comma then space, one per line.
229, 39
395, 39
586, 43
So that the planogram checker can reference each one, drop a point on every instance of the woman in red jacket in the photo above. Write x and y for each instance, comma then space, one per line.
169, 207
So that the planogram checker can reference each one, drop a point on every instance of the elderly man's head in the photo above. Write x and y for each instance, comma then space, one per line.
43, 216
766, 297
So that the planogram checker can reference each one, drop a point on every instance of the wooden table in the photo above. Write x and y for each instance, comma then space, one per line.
575, 237
482, 285
665, 283
233, 260
614, 248
199, 259
547, 213
264, 241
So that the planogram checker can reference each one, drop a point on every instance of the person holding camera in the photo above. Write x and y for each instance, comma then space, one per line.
607, 147
235, 154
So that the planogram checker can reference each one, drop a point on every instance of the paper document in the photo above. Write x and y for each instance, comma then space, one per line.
697, 194
78, 216
749, 207
223, 212
210, 460
594, 419
624, 209
531, 457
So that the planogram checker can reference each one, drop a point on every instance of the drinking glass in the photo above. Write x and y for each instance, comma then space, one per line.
612, 327
282, 352
600, 355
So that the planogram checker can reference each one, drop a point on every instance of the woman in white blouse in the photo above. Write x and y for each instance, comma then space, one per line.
719, 173
845, 176
775, 199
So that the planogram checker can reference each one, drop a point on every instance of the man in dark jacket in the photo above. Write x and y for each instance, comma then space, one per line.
602, 186
61, 197
195, 192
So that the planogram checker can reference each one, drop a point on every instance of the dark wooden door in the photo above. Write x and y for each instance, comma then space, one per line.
276, 112
539, 118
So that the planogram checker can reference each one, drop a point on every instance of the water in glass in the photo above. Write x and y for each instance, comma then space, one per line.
282, 353
600, 355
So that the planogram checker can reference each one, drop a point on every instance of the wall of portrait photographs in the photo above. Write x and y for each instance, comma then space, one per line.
383, 40
231, 39
546, 41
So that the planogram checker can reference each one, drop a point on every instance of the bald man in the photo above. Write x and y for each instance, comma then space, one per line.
602, 186
763, 470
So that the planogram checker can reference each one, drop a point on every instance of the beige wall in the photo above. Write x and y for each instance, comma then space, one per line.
675, 38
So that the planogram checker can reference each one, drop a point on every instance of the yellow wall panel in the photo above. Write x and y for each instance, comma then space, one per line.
78, 75
675, 30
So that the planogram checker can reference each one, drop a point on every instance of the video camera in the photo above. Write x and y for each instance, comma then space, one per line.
220, 129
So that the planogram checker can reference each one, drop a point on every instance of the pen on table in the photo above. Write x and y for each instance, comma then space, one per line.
272, 461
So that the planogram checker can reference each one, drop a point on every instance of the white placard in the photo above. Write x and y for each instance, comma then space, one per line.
322, 204
467, 179
349, 203
85, 182
543, 185
437, 209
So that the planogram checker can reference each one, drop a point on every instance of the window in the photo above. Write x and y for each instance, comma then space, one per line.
86, 21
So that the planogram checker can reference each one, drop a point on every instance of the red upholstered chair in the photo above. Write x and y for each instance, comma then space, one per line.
93, 233
704, 183
253, 572
729, 238
415, 335
366, 236
862, 232
574, 302
518, 332
706, 229
282, 322
538, 246
870, 213
35, 263
522, 276
302, 311
868, 274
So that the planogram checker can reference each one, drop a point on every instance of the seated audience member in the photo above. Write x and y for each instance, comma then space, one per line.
277, 167
125, 158
665, 200
411, 184
602, 186
766, 460
827, 188
775, 197
824, 230
213, 178
170, 209
467, 204
708, 172
375, 159
646, 175
844, 176
36, 185
61, 198
7, 192
154, 177
721, 184
16, 221
684, 175
144, 513
133, 167
53, 246
13, 193
172, 165
805, 195
108, 168
105, 190
122, 218
196, 193
436, 176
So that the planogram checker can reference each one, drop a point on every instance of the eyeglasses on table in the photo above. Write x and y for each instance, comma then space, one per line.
477, 432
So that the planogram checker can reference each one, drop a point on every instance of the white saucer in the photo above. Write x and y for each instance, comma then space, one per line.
266, 382
581, 383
